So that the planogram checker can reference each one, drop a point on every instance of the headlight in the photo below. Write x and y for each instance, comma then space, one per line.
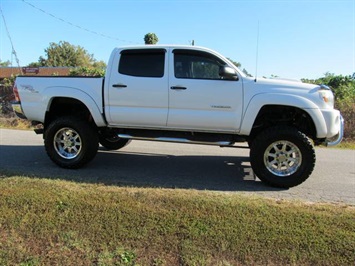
326, 95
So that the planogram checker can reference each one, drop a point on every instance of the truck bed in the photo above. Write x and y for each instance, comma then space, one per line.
35, 92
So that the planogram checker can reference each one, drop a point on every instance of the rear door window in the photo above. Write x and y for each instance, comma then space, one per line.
142, 63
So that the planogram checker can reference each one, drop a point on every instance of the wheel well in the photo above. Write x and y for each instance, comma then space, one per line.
62, 106
271, 115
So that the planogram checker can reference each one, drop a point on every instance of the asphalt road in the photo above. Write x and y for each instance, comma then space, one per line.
169, 165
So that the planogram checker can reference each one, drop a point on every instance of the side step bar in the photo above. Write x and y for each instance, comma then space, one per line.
177, 140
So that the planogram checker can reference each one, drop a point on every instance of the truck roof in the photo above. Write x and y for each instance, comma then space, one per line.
154, 46
168, 46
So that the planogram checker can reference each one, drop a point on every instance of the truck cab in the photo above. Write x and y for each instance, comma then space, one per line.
173, 88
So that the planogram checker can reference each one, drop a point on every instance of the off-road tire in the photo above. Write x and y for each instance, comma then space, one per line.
282, 156
71, 142
113, 142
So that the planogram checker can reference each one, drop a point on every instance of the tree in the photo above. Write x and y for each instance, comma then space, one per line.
87, 72
101, 65
151, 38
237, 64
34, 64
65, 54
342, 86
246, 72
5, 64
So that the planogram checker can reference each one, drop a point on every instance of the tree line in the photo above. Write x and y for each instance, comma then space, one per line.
64, 54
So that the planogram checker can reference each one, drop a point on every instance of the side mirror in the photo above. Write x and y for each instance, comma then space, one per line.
227, 72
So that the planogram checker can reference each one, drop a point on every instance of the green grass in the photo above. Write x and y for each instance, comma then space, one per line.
52, 222
348, 144
14, 123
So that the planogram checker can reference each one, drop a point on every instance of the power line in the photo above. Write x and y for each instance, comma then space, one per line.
74, 25
12, 44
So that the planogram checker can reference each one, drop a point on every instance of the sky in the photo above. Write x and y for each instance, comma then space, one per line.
286, 38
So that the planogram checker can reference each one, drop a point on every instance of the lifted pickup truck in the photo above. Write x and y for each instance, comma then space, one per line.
184, 94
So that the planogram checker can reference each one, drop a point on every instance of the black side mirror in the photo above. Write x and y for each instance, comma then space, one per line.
227, 72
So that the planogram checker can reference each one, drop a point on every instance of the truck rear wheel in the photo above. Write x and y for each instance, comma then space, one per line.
71, 142
113, 142
282, 156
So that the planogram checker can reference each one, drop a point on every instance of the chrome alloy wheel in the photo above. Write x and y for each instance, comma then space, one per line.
282, 158
67, 143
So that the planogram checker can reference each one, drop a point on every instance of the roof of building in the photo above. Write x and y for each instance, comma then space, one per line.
6, 72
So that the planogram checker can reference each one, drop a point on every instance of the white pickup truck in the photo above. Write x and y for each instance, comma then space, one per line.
183, 94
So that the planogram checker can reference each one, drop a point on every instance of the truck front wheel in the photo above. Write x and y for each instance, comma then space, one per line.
282, 156
71, 142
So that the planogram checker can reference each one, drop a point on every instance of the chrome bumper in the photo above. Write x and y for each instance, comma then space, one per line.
338, 138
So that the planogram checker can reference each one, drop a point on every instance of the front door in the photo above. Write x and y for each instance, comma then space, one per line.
199, 99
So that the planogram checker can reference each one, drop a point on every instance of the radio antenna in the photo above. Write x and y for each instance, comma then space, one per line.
257, 53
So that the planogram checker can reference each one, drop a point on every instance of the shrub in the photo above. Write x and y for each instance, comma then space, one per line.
347, 109
87, 72
344, 91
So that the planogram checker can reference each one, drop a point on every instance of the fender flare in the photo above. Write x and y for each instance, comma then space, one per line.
258, 101
96, 111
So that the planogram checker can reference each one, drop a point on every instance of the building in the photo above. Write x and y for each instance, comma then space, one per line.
7, 72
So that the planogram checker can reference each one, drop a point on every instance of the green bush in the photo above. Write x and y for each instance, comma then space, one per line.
347, 109
344, 91
87, 72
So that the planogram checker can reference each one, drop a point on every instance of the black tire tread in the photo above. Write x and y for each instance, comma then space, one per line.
89, 137
281, 133
116, 145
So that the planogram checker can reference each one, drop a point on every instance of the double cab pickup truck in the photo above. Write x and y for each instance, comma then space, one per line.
182, 94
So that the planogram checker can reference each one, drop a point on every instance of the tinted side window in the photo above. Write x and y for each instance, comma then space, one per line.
142, 63
196, 65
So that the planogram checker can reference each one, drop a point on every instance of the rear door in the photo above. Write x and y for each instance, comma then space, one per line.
199, 99
137, 90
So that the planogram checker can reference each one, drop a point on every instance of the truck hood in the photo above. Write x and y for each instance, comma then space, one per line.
289, 89
284, 84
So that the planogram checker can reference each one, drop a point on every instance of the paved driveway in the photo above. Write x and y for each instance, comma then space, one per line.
170, 165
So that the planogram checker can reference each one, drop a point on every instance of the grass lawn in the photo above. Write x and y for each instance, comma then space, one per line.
53, 222
349, 144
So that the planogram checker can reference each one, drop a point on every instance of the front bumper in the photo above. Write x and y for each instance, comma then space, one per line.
17, 108
337, 138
